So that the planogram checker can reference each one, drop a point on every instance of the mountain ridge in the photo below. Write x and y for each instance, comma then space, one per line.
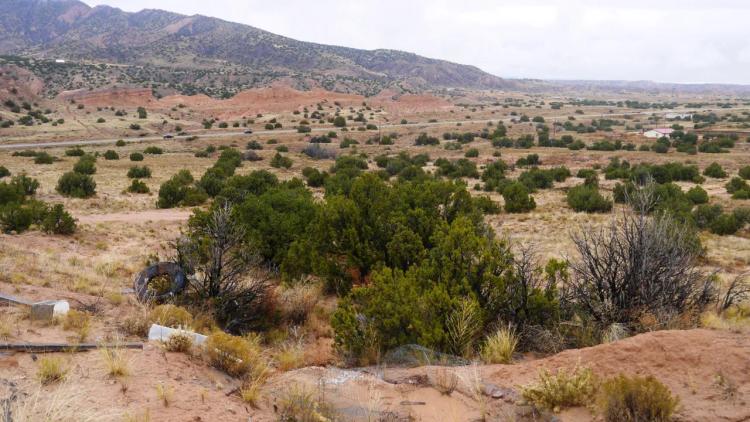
73, 30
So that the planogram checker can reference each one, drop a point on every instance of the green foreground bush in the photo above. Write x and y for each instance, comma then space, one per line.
76, 185
588, 199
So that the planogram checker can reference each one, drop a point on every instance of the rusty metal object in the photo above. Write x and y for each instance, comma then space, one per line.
63, 347
170, 269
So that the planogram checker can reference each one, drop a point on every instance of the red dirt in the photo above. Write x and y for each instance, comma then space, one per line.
276, 99
689, 362
110, 97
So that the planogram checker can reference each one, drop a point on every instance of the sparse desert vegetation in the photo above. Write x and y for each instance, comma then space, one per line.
360, 248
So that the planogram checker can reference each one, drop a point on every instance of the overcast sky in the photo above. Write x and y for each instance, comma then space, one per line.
661, 40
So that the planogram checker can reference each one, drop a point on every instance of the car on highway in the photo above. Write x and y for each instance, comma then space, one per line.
248, 131
168, 136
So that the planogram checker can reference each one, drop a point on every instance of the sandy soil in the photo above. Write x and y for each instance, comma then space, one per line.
689, 362
174, 214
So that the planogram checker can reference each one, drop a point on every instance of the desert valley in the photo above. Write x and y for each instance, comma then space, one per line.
204, 221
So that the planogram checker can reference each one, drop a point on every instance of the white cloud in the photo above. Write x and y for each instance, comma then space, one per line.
667, 40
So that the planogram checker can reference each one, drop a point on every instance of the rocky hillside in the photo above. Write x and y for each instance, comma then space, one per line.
70, 29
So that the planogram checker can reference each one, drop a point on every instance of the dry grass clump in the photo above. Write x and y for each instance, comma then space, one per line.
171, 316
445, 381
735, 318
635, 399
179, 342
291, 354
78, 321
298, 301
500, 346
137, 323
232, 354
62, 404
51, 370
164, 393
563, 389
614, 333
253, 382
474, 387
115, 361
6, 327
300, 404
137, 417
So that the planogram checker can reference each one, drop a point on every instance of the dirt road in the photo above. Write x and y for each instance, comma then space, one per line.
174, 214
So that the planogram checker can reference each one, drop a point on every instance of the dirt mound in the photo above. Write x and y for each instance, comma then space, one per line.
708, 370
110, 97
409, 103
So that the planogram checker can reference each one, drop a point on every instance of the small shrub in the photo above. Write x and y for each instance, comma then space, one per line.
138, 186
171, 316
563, 389
115, 361
4, 172
58, 221
254, 145
139, 172
111, 155
300, 404
120, 143
472, 153
233, 355
279, 161
15, 218
463, 326
136, 156
744, 173
251, 156
587, 198
180, 342
44, 158
291, 356
517, 198
76, 185
85, 165
445, 381
715, 170
137, 324
74, 152
78, 321
51, 370
697, 195
316, 152
500, 346
298, 301
633, 399
153, 150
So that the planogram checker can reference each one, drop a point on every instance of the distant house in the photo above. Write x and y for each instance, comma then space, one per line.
658, 132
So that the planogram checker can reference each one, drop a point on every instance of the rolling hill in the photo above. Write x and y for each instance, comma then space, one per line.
229, 52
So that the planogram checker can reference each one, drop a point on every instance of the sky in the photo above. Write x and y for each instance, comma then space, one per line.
686, 41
